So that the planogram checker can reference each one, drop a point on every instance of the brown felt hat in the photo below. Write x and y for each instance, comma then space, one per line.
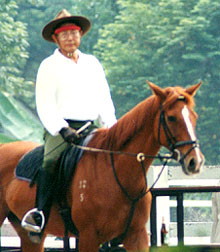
63, 17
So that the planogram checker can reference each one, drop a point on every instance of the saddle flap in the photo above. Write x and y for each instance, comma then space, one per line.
30, 164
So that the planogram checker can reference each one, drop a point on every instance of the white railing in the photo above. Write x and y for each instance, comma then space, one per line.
195, 232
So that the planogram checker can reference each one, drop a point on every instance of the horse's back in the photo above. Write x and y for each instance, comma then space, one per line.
11, 153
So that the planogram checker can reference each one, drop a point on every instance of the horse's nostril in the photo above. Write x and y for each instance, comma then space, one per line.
192, 165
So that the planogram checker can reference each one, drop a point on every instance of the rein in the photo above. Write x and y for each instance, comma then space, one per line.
171, 140
139, 155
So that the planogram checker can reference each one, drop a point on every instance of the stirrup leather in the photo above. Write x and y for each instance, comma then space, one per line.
29, 223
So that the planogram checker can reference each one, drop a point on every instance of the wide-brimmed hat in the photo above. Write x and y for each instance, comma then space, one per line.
63, 17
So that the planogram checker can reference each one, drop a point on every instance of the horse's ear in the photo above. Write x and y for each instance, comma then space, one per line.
193, 89
157, 90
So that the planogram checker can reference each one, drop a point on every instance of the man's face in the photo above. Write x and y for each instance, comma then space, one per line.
69, 40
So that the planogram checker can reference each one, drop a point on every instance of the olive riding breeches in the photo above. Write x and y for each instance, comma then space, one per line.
54, 146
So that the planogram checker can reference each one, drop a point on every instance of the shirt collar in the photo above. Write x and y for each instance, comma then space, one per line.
59, 55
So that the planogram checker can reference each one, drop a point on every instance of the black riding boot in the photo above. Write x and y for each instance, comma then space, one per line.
36, 219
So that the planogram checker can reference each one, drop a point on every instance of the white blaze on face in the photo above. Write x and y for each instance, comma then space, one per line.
185, 113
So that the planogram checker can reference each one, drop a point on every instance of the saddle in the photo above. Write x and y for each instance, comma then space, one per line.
30, 165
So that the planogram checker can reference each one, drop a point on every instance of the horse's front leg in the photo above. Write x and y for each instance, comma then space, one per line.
88, 241
26, 244
137, 241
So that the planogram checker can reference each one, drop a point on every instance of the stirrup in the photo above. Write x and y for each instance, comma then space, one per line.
29, 223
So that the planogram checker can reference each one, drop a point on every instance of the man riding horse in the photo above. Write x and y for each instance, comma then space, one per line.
71, 91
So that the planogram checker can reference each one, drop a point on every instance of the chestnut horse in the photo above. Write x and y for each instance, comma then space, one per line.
99, 196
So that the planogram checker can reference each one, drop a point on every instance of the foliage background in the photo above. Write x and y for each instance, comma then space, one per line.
169, 42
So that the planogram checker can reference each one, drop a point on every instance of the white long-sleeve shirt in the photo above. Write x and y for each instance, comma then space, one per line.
75, 91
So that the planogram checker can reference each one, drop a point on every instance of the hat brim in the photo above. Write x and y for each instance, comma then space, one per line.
81, 21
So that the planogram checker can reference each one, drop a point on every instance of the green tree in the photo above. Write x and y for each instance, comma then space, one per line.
205, 56
14, 89
141, 47
126, 47
13, 50
170, 43
193, 53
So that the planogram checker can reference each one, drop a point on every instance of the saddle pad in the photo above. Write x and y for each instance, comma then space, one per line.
30, 164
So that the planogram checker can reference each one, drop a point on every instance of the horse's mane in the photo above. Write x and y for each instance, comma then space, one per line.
143, 113
174, 93
129, 124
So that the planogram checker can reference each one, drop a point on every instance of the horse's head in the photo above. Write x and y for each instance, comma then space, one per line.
176, 123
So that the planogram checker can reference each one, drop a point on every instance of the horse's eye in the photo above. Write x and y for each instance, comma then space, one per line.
171, 118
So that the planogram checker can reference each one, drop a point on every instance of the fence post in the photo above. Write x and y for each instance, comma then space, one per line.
77, 245
180, 219
160, 202
153, 221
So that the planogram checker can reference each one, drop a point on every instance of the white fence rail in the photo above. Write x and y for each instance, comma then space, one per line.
197, 230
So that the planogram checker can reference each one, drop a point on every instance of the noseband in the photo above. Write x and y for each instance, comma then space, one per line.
171, 140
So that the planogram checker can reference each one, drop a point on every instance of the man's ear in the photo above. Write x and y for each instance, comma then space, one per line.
54, 39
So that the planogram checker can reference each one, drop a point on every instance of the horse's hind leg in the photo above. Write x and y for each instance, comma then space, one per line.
3, 209
3, 216
26, 244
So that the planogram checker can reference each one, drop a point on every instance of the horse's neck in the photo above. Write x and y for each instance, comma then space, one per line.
137, 135
135, 131
145, 144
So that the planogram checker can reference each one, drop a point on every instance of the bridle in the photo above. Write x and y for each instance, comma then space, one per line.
173, 144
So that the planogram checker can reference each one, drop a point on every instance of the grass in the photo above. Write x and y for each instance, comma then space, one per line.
186, 249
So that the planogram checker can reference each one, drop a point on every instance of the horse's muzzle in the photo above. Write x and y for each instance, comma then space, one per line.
193, 162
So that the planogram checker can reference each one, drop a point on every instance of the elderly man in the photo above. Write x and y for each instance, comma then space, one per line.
71, 90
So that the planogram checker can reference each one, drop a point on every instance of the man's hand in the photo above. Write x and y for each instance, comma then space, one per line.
69, 134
